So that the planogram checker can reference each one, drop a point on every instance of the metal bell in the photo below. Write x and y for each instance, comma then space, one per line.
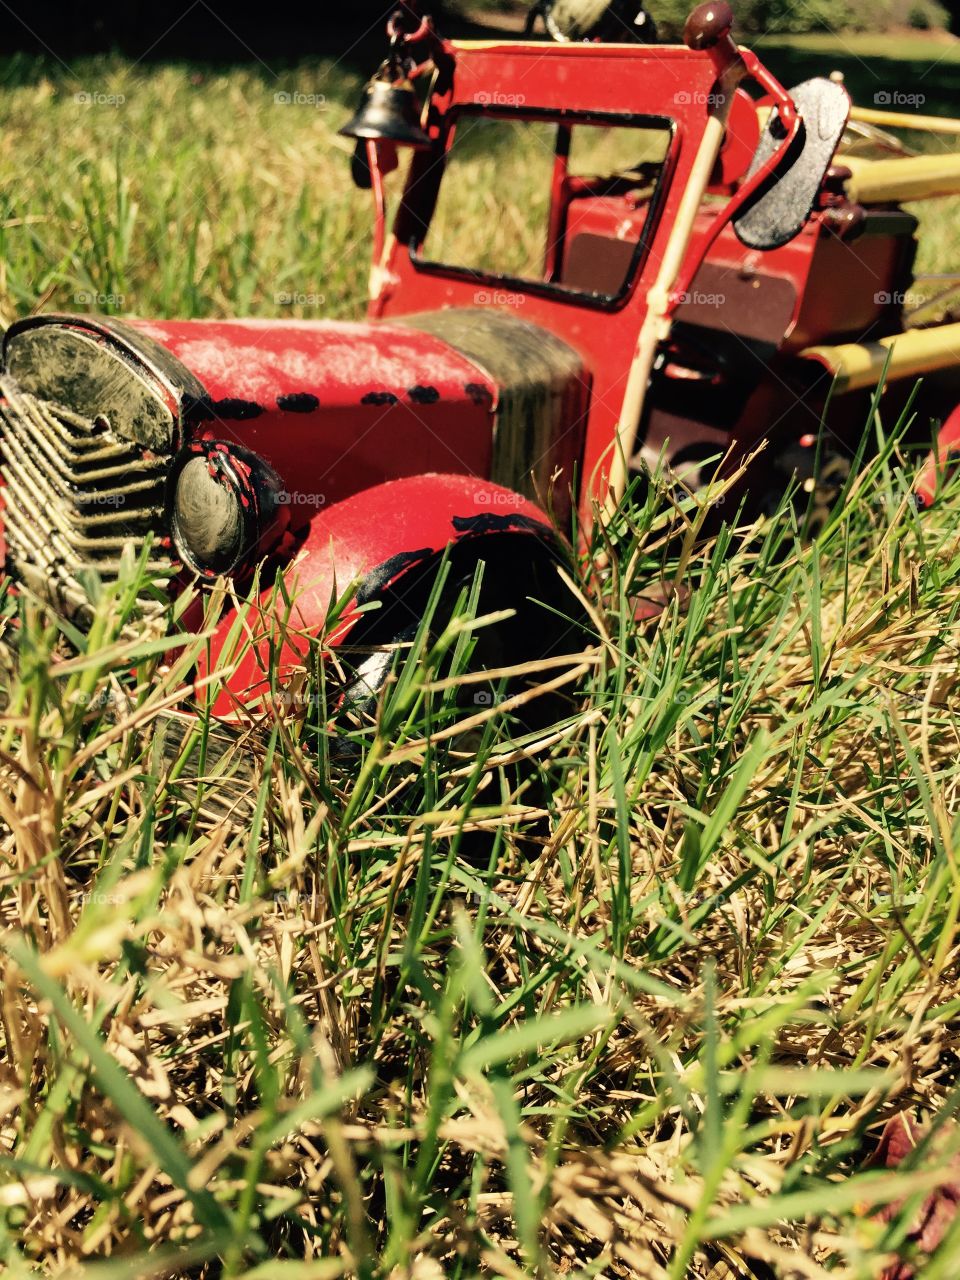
388, 112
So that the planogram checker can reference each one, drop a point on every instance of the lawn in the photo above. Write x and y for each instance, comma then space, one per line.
877, 68
641, 1010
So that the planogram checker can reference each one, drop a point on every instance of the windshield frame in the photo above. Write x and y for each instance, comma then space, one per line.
542, 288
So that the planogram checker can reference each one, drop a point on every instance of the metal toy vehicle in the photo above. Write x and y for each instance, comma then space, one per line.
706, 270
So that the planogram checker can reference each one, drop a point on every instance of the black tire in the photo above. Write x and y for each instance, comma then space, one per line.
519, 573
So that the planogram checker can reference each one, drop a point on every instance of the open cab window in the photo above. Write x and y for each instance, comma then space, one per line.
566, 205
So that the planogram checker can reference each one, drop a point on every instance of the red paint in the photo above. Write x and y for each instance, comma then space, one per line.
946, 453
743, 137
344, 545
672, 82
344, 445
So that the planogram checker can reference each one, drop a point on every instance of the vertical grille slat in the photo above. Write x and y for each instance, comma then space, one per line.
74, 496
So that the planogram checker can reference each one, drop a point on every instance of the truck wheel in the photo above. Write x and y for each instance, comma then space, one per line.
519, 573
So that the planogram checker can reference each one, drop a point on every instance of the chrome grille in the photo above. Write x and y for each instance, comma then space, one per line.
74, 496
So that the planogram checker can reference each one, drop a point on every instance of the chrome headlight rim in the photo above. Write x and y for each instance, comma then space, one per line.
250, 520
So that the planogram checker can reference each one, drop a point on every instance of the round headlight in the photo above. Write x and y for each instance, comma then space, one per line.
226, 507
209, 524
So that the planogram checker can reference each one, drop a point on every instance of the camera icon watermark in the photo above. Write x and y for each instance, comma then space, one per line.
498, 298
697, 98
318, 101
497, 498
301, 498
87, 299
896, 299
484, 99
101, 898
893, 501
487, 698
697, 298
897, 98
685, 697
298, 299
94, 98
99, 701
296, 699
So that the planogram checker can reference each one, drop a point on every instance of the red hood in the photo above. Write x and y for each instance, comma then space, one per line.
336, 407
263, 360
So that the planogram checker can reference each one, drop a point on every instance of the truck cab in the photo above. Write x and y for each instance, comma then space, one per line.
605, 147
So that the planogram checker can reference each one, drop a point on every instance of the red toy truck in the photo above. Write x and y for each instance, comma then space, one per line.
704, 269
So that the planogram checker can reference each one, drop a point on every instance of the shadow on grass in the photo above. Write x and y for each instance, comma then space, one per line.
44, 36
217, 32
922, 85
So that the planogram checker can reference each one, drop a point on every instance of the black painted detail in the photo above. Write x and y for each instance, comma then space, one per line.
237, 410
378, 579
380, 397
489, 523
479, 394
298, 402
424, 395
198, 409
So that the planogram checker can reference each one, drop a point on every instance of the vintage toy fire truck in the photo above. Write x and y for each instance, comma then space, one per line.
695, 268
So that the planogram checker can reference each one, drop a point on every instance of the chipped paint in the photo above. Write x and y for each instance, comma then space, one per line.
298, 402
256, 360
424, 395
328, 406
231, 409
382, 575
488, 522
479, 394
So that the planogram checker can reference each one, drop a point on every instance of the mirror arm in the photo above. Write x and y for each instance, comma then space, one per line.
743, 197
708, 27
379, 204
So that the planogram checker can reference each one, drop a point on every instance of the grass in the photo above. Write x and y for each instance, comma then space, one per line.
872, 64
179, 190
901, 46
645, 1020
660, 1037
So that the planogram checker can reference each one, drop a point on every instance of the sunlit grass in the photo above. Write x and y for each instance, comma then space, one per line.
179, 191
933, 48
655, 1024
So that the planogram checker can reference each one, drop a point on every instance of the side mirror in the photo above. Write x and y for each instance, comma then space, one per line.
782, 205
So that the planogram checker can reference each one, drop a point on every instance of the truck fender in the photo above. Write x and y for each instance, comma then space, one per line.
388, 540
946, 452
